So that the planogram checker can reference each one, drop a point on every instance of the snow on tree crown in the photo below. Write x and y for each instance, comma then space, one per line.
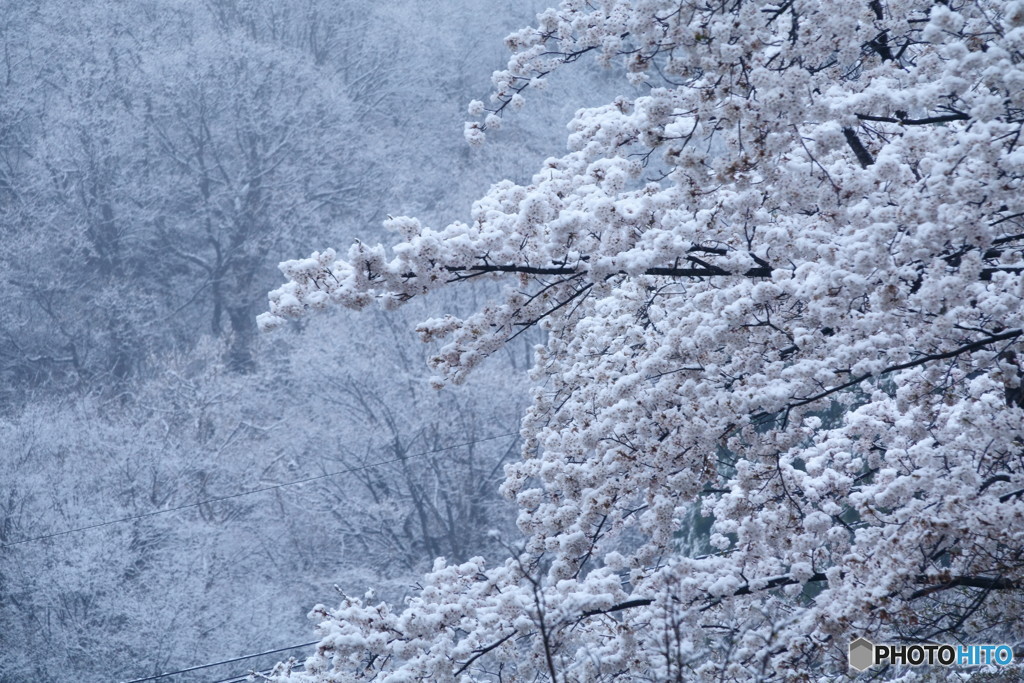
779, 404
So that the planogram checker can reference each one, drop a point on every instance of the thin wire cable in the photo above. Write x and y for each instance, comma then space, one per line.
226, 661
244, 677
263, 489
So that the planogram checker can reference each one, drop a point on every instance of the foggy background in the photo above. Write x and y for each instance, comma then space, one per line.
157, 160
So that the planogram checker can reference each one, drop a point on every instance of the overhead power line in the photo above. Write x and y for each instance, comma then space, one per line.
262, 489
225, 661
243, 677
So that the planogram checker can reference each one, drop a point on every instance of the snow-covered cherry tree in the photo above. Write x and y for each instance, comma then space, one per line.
780, 279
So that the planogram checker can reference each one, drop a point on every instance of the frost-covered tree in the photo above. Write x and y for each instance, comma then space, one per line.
780, 278
130, 134
74, 174
253, 144
157, 159
179, 583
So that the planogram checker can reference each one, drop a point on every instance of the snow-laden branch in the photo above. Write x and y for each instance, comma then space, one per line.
783, 302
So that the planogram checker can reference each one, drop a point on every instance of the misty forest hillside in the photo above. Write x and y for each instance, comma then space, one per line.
157, 159
618, 340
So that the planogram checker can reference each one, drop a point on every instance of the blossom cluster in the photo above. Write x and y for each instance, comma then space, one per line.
779, 403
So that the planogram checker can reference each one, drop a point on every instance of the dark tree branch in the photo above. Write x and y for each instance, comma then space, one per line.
1007, 496
710, 271
481, 652
862, 154
984, 582
705, 269
959, 116
966, 348
876, 7
629, 604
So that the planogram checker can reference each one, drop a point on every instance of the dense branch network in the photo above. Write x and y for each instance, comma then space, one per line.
782, 297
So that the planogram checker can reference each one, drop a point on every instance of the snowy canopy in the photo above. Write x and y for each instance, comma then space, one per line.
779, 403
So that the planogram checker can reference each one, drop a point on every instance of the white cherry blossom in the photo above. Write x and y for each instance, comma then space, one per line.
779, 403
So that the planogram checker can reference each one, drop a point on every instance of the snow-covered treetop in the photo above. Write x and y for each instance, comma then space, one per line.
782, 288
